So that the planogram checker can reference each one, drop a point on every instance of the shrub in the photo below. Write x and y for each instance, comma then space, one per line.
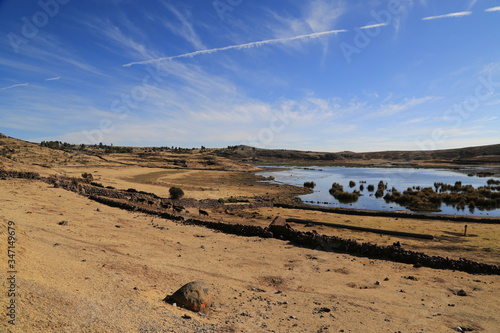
371, 188
352, 183
176, 193
87, 176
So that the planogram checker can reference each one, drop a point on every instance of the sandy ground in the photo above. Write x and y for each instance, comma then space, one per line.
108, 270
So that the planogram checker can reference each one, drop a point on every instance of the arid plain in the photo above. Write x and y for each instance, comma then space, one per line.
106, 269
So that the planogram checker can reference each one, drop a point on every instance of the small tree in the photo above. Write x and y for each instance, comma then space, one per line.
176, 193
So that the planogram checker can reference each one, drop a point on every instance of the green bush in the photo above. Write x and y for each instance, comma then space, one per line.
176, 193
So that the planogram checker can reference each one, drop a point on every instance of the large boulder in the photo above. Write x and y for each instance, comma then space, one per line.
278, 222
195, 296
280, 229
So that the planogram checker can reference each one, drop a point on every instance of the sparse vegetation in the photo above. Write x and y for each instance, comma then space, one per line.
458, 196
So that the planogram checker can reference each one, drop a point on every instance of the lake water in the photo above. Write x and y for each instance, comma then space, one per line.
400, 178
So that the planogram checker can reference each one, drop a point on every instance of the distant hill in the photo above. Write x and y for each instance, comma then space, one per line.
468, 155
233, 157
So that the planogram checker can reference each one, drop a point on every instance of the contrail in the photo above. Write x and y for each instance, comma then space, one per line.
15, 85
459, 14
493, 9
237, 47
374, 25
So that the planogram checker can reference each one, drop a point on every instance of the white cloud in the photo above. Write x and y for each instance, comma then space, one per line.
471, 4
493, 9
322, 15
185, 29
406, 104
458, 14
53, 78
15, 85
415, 121
488, 119
239, 47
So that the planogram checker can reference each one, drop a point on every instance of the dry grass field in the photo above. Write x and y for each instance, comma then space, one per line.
107, 269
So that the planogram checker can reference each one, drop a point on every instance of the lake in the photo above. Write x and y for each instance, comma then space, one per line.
400, 178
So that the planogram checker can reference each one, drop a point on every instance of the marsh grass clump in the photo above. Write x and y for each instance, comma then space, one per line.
352, 183
310, 185
338, 193
458, 196
371, 188
424, 200
493, 182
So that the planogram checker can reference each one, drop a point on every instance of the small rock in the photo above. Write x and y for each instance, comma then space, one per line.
63, 223
411, 277
461, 292
377, 283
322, 309
186, 316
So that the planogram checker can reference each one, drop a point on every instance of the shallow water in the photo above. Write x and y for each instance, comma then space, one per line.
400, 178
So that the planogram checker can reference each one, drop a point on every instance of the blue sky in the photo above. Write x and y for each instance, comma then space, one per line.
309, 75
